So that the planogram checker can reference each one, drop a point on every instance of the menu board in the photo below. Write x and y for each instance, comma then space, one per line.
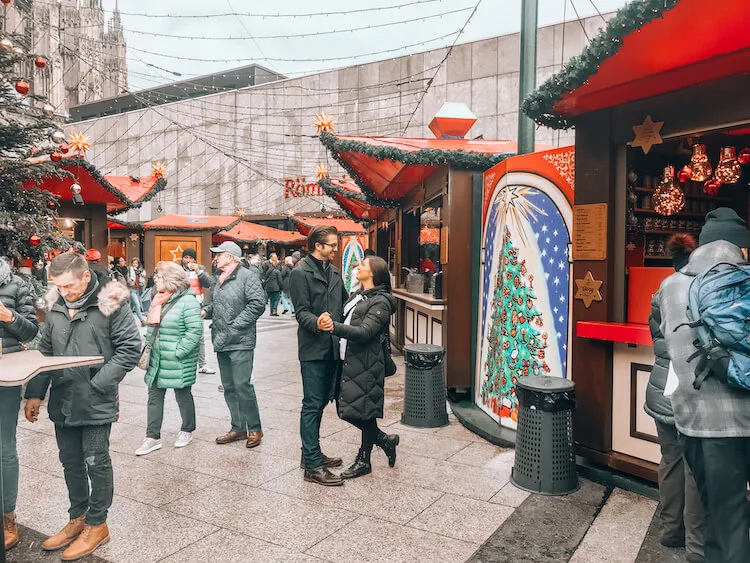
590, 232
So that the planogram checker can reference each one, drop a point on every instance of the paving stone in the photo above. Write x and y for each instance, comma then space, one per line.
652, 551
29, 550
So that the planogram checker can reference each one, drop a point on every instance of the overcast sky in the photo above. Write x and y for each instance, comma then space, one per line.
294, 56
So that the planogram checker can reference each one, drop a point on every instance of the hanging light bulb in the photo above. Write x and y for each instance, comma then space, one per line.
700, 164
668, 197
728, 171
58, 137
75, 189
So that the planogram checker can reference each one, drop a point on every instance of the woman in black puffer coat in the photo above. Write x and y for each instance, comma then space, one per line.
360, 400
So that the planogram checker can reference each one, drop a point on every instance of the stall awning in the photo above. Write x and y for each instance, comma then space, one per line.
118, 193
388, 168
344, 226
121, 225
192, 223
650, 47
350, 198
245, 231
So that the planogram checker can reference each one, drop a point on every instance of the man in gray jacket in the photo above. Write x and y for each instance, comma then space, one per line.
237, 303
714, 421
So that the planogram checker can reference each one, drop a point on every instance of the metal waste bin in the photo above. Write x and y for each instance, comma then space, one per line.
424, 387
545, 461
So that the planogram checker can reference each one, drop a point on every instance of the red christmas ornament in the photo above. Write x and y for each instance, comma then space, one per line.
6, 2
684, 174
34, 240
744, 157
22, 87
711, 187
55, 157
64, 149
51, 204
40, 62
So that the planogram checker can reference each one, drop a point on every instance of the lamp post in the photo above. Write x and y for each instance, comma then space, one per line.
527, 81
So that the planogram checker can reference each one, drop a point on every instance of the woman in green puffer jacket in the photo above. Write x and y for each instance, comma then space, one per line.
174, 332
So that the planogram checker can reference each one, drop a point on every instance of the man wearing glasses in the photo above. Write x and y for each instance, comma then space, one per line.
316, 287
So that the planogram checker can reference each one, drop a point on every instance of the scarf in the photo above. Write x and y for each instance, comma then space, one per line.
225, 273
81, 301
161, 298
5, 272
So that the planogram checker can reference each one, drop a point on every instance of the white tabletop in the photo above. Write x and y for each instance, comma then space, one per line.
20, 367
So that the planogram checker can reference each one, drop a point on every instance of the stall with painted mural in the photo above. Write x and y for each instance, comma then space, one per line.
525, 277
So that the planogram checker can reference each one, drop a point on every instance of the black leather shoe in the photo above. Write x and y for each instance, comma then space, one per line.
388, 443
323, 477
360, 467
328, 462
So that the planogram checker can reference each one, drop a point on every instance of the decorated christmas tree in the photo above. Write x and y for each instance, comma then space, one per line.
516, 344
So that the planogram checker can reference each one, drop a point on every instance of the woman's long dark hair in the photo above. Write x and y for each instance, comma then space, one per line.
381, 275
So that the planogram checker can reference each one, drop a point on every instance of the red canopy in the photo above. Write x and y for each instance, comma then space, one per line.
120, 225
344, 226
245, 231
192, 223
694, 42
350, 198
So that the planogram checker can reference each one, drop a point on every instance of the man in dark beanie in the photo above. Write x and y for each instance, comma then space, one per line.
199, 280
713, 421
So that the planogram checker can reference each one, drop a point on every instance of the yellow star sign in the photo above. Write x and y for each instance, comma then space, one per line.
588, 290
647, 134
176, 253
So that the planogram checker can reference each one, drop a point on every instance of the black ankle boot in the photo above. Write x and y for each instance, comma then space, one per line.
388, 443
361, 466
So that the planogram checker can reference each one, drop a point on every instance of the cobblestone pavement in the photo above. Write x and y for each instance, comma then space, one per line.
447, 496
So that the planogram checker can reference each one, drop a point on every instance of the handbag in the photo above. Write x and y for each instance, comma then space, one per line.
390, 365
146, 352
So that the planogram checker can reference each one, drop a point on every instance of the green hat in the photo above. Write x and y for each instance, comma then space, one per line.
724, 224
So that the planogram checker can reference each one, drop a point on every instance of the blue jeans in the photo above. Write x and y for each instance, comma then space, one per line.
286, 302
135, 303
10, 403
274, 297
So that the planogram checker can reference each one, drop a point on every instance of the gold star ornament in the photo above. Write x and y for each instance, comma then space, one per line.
647, 134
324, 122
588, 290
321, 172
79, 142
159, 169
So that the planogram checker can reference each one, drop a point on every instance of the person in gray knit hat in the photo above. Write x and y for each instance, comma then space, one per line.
713, 421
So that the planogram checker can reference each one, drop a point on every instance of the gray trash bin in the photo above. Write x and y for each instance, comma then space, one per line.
545, 461
424, 387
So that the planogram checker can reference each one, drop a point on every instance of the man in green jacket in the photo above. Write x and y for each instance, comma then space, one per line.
88, 316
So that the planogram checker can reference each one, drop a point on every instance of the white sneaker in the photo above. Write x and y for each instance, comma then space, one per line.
183, 439
149, 445
206, 370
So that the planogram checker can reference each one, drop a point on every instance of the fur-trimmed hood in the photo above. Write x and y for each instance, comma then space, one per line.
110, 295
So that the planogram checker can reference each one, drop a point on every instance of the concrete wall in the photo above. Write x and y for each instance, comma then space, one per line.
235, 149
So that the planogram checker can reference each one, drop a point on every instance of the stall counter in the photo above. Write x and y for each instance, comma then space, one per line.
423, 317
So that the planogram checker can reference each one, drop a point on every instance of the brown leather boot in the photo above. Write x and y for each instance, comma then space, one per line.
66, 536
230, 437
10, 528
91, 538
254, 439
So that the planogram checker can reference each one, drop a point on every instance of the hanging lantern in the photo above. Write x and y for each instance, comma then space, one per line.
40, 62
321, 172
324, 122
744, 157
684, 174
22, 87
668, 197
700, 164
6, 45
58, 137
48, 110
55, 157
728, 171
159, 169
711, 187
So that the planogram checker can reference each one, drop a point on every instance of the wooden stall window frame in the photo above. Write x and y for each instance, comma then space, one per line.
634, 433
434, 322
406, 323
420, 314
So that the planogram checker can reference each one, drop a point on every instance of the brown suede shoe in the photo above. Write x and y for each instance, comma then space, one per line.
254, 439
230, 437
66, 536
10, 527
91, 538
328, 462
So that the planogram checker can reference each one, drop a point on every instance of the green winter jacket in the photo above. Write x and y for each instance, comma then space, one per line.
174, 355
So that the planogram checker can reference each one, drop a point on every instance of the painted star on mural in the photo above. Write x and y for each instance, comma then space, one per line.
176, 253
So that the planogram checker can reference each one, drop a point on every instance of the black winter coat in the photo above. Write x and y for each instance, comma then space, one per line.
313, 293
273, 279
104, 326
236, 305
15, 295
286, 278
657, 405
361, 390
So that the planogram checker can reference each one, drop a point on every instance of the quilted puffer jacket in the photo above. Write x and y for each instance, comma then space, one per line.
362, 383
657, 405
174, 355
236, 305
15, 295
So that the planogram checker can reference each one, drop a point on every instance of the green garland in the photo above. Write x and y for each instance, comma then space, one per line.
231, 225
128, 224
300, 221
460, 159
539, 105
332, 191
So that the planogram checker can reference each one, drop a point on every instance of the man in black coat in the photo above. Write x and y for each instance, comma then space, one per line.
317, 288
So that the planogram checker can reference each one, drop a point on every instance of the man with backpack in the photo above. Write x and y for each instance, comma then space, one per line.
712, 414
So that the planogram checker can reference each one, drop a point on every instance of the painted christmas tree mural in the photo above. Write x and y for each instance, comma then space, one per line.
516, 341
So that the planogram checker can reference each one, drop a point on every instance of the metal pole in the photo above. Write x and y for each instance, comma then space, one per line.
2, 492
527, 82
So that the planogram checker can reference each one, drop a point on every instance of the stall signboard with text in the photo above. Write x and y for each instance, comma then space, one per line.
299, 187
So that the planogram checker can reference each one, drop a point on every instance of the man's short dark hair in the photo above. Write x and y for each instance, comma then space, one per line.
369, 252
68, 262
319, 235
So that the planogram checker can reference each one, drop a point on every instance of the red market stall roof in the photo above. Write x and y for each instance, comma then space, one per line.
192, 223
245, 231
344, 226
350, 198
650, 47
387, 168
119, 193
121, 225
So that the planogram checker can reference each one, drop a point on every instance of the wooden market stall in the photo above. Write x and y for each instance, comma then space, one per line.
255, 238
662, 132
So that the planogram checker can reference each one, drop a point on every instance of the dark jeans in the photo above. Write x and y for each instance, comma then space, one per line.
84, 453
722, 469
236, 369
156, 410
370, 432
274, 297
10, 403
318, 379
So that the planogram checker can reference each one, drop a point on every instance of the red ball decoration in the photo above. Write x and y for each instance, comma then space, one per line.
22, 87
711, 187
40, 62
64, 149
684, 174
35, 240
744, 157
55, 157
6, 2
